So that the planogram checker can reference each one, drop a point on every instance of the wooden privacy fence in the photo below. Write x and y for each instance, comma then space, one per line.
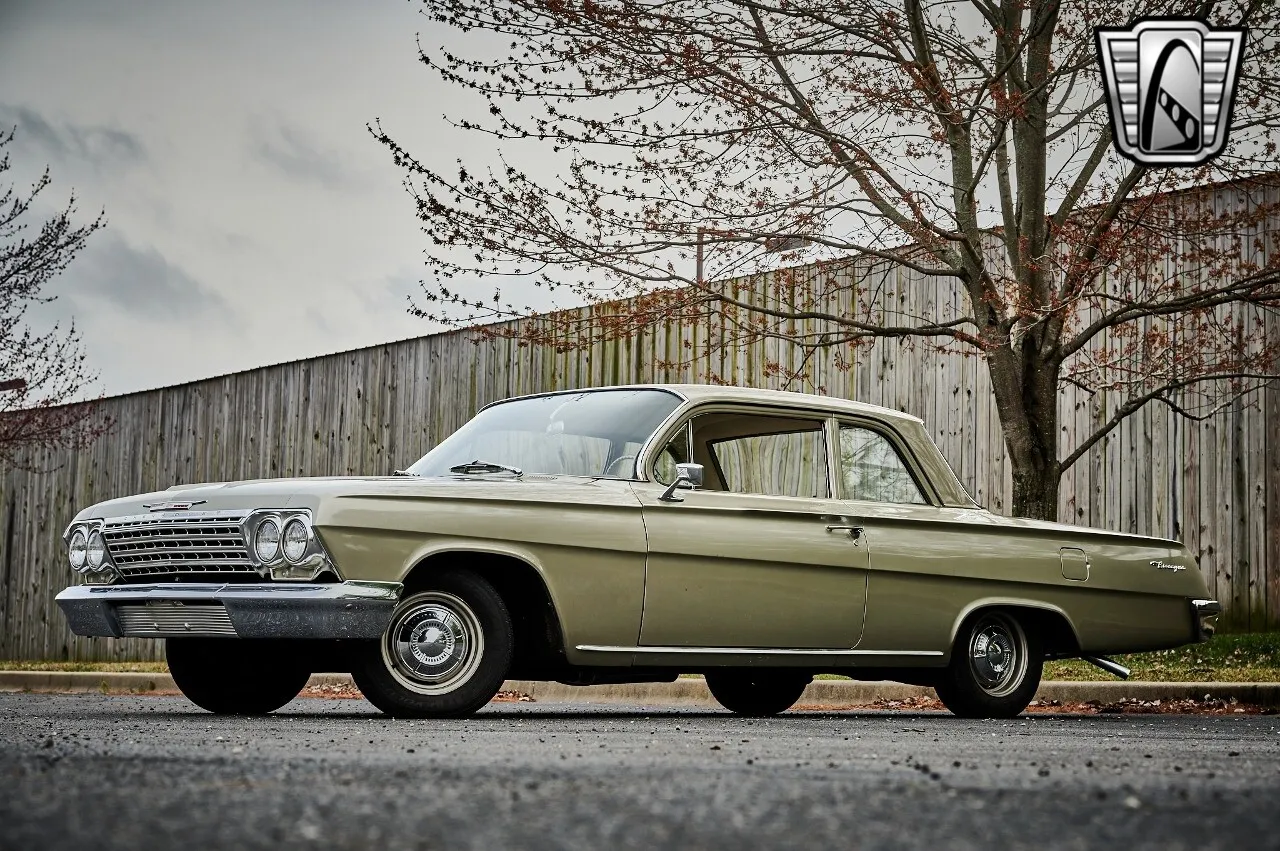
1215, 485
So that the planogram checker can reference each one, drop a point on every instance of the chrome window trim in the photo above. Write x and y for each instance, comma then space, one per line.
647, 455
621, 387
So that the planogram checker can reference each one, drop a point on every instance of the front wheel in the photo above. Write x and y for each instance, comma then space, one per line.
995, 667
444, 655
757, 693
234, 676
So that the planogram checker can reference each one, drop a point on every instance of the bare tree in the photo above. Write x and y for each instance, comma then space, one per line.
43, 374
967, 141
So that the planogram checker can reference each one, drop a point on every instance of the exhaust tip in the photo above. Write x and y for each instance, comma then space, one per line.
1109, 665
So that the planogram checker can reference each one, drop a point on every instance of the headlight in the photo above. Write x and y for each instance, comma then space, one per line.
96, 550
295, 539
77, 550
266, 541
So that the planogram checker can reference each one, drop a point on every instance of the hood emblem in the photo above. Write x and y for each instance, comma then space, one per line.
1164, 565
172, 506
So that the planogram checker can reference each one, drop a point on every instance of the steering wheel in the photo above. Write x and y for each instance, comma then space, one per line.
608, 471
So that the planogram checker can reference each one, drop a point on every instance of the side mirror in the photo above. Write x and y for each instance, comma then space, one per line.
688, 476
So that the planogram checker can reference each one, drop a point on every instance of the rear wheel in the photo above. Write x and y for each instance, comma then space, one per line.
995, 667
757, 693
444, 655
230, 676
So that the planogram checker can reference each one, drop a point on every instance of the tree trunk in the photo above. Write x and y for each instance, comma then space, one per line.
1026, 392
1035, 491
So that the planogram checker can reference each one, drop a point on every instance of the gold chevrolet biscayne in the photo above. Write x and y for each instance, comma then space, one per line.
626, 534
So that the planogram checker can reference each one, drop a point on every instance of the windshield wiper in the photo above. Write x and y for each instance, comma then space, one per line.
478, 466
402, 473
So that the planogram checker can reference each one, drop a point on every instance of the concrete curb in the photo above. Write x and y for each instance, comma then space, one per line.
687, 691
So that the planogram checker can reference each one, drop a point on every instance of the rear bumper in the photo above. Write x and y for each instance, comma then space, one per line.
336, 610
1204, 617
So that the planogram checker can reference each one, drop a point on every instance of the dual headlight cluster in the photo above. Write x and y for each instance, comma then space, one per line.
284, 542
87, 550
277, 538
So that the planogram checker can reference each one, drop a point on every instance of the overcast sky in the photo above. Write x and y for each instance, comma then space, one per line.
252, 219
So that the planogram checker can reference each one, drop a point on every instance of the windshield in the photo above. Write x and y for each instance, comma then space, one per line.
594, 433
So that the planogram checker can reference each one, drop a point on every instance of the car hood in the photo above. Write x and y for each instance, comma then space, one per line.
309, 492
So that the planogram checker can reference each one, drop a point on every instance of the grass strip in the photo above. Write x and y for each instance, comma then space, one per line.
102, 667
1242, 658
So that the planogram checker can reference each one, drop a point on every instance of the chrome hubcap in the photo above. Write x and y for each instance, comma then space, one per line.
434, 643
997, 655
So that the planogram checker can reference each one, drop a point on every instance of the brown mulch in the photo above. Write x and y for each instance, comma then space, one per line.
1190, 706
347, 690
344, 690
1126, 706
513, 697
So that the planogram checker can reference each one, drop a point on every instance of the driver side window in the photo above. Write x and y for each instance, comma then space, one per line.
751, 453
779, 463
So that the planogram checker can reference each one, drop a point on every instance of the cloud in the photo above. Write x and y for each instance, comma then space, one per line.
146, 322
288, 151
94, 144
141, 282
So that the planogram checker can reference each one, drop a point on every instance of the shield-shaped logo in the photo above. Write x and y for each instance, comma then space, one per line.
1170, 83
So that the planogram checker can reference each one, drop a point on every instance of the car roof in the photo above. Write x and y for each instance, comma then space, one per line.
730, 393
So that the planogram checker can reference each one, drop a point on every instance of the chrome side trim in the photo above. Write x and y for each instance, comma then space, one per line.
752, 651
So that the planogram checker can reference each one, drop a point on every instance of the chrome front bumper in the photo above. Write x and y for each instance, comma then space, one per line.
336, 610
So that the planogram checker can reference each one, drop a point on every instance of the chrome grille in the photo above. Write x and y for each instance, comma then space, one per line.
143, 621
199, 543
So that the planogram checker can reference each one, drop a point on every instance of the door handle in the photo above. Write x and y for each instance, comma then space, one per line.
855, 532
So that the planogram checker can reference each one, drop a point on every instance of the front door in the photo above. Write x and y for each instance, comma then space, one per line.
757, 558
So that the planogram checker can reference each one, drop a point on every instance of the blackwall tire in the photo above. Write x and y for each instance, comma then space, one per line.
445, 653
230, 676
995, 667
757, 693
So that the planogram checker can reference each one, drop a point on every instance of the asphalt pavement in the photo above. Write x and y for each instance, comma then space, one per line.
91, 771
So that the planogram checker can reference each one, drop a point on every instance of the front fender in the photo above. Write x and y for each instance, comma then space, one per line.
593, 577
